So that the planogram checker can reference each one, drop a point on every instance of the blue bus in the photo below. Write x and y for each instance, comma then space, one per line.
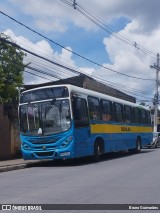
66, 121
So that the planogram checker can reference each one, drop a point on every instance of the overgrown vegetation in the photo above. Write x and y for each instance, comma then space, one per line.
11, 70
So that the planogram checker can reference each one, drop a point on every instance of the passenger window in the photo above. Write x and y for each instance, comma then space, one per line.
118, 112
80, 113
106, 109
94, 108
127, 114
142, 117
135, 116
148, 117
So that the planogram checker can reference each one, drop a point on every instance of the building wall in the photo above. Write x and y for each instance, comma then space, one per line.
9, 132
88, 83
99, 87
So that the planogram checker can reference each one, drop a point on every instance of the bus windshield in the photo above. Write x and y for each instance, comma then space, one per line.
44, 94
45, 118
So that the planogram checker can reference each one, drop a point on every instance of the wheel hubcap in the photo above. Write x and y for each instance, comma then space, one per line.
138, 146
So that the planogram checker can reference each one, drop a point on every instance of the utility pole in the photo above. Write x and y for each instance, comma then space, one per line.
156, 99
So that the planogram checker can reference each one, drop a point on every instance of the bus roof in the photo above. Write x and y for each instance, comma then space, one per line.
90, 93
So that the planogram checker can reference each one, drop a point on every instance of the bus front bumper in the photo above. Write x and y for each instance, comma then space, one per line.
47, 154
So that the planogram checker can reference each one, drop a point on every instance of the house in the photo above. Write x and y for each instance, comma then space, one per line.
88, 83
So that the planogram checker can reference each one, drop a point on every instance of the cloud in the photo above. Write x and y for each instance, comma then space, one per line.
52, 25
51, 15
88, 71
43, 49
65, 56
58, 15
130, 60
125, 59
143, 29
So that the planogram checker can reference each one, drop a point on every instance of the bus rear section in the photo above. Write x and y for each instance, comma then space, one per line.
114, 124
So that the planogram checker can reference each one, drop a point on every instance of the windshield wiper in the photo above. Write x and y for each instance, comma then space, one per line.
34, 108
32, 105
52, 102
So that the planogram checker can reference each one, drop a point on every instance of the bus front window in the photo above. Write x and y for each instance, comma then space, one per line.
29, 118
45, 118
56, 116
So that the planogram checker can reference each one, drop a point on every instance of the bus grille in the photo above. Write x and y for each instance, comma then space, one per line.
44, 154
43, 140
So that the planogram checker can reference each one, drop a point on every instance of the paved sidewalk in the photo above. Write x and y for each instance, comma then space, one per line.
13, 164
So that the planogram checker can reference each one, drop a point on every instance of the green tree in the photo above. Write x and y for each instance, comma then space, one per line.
11, 69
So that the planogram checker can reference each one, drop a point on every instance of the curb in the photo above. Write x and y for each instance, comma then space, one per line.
7, 168
12, 167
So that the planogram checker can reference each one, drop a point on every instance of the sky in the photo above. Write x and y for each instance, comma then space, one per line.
122, 49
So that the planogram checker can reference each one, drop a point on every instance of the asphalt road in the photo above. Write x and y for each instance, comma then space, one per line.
118, 179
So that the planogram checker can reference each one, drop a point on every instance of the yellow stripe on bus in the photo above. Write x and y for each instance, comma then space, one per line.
111, 128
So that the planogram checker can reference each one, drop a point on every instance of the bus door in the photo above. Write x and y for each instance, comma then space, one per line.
81, 127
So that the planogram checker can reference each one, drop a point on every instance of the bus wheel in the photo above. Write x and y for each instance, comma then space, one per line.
96, 156
156, 145
138, 145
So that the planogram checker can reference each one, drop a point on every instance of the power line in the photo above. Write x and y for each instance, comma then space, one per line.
122, 87
34, 54
114, 85
126, 89
57, 64
72, 81
77, 54
107, 28
47, 66
37, 75
108, 83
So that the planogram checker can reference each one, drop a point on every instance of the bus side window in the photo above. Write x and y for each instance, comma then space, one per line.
141, 114
106, 109
127, 114
94, 108
118, 109
80, 112
135, 115
144, 116
148, 117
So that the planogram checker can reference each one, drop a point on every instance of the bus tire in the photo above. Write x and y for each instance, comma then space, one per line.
138, 145
96, 156
156, 145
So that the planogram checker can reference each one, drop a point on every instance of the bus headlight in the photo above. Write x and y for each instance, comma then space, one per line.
67, 141
25, 146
